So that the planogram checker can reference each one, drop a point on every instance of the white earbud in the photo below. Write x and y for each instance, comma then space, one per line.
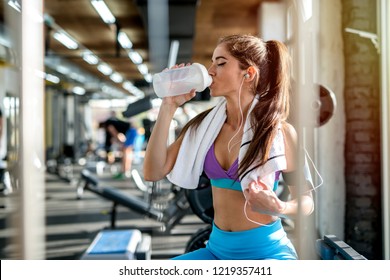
246, 76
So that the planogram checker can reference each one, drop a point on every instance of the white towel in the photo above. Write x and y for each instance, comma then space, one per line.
196, 143
276, 160
193, 149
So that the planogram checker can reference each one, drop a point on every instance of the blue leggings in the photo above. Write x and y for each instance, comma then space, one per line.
262, 243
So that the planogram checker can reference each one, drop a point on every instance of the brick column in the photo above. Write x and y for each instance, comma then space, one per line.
363, 225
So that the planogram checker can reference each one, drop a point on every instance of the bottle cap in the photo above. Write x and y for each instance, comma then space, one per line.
207, 80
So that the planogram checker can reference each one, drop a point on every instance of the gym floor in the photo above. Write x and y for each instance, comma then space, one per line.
72, 222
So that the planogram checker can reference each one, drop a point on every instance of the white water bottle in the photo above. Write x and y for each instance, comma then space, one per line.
181, 80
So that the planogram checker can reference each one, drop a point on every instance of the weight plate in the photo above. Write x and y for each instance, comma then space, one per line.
327, 105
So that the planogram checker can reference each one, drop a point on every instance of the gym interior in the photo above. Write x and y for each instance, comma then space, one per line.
66, 70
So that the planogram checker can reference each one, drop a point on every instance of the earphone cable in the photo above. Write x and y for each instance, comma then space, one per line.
241, 119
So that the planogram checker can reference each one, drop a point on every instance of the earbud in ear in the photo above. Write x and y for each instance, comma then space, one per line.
246, 76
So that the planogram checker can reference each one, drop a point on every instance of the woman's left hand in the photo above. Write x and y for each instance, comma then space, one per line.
263, 199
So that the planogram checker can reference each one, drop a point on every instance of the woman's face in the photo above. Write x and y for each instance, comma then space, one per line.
226, 73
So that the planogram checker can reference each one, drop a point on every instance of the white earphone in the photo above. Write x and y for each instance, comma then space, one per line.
246, 76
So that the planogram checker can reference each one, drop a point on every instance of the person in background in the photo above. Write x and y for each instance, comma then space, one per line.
139, 145
243, 144
148, 127
127, 142
113, 127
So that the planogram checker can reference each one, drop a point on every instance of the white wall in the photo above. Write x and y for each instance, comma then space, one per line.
331, 196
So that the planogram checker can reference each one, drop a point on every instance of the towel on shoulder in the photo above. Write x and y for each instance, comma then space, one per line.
190, 160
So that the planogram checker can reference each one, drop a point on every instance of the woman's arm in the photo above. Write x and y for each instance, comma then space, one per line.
159, 157
290, 208
264, 200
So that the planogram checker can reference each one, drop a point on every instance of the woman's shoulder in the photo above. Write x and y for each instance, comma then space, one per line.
290, 134
289, 130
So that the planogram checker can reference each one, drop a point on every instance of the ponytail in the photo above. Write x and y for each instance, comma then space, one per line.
279, 76
273, 108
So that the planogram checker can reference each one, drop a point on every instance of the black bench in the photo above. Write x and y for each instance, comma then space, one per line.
169, 217
119, 198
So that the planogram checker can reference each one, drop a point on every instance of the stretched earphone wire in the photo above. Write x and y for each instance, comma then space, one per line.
249, 219
241, 120
316, 170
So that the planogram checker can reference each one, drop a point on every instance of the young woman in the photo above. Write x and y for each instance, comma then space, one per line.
243, 144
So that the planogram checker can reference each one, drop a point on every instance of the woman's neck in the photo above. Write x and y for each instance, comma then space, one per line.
233, 110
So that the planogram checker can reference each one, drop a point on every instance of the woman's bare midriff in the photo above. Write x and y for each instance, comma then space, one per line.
229, 211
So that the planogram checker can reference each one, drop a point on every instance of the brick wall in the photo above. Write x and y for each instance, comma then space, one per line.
363, 225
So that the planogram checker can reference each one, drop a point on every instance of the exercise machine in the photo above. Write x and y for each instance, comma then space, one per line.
169, 216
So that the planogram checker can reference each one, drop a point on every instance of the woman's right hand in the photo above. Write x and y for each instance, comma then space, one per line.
178, 100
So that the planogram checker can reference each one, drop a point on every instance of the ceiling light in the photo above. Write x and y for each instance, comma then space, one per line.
148, 77
138, 93
143, 69
62, 69
52, 78
15, 4
103, 11
78, 90
77, 77
66, 40
135, 57
105, 69
133, 89
127, 85
114, 92
89, 57
124, 40
116, 77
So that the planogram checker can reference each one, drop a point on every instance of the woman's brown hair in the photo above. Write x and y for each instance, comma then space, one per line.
271, 86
